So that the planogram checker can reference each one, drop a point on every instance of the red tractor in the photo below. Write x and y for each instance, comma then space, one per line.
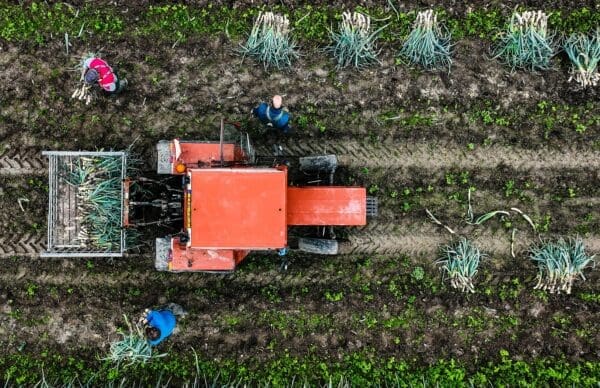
227, 202
233, 205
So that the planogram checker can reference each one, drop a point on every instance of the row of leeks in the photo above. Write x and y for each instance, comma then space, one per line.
354, 44
98, 183
559, 264
269, 41
526, 43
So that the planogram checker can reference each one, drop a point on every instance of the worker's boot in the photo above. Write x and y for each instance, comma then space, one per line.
122, 85
277, 150
176, 309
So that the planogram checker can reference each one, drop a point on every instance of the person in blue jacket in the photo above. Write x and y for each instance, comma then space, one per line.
160, 325
273, 115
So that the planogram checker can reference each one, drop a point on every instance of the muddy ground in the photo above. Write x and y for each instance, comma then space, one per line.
415, 139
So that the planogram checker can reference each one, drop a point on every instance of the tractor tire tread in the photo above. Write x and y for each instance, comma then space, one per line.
29, 245
24, 161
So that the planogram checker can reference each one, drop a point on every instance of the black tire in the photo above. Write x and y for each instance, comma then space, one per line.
161, 254
320, 163
319, 246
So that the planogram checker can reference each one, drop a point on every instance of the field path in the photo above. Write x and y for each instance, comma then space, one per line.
435, 157
423, 156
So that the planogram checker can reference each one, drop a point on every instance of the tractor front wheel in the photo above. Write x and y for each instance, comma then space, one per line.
319, 246
320, 163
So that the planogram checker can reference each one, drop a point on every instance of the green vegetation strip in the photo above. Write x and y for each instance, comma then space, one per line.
41, 22
357, 369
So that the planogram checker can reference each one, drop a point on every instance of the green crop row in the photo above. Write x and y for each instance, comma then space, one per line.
356, 369
41, 22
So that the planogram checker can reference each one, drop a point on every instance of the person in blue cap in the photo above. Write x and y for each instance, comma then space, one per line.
160, 323
273, 115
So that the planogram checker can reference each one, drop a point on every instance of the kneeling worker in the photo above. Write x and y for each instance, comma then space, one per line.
96, 70
160, 325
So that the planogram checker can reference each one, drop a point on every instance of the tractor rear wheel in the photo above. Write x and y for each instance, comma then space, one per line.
320, 163
319, 246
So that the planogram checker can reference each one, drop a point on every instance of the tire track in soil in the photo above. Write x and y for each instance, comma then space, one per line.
389, 238
421, 156
379, 236
436, 157
27, 245
569, 217
23, 162
424, 156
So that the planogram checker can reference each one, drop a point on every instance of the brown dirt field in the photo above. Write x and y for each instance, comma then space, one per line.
184, 91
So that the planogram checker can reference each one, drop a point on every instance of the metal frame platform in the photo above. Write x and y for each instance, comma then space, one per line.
63, 219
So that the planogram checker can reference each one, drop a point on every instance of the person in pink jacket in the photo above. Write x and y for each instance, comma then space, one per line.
96, 70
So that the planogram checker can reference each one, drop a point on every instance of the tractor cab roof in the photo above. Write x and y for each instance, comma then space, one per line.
237, 208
